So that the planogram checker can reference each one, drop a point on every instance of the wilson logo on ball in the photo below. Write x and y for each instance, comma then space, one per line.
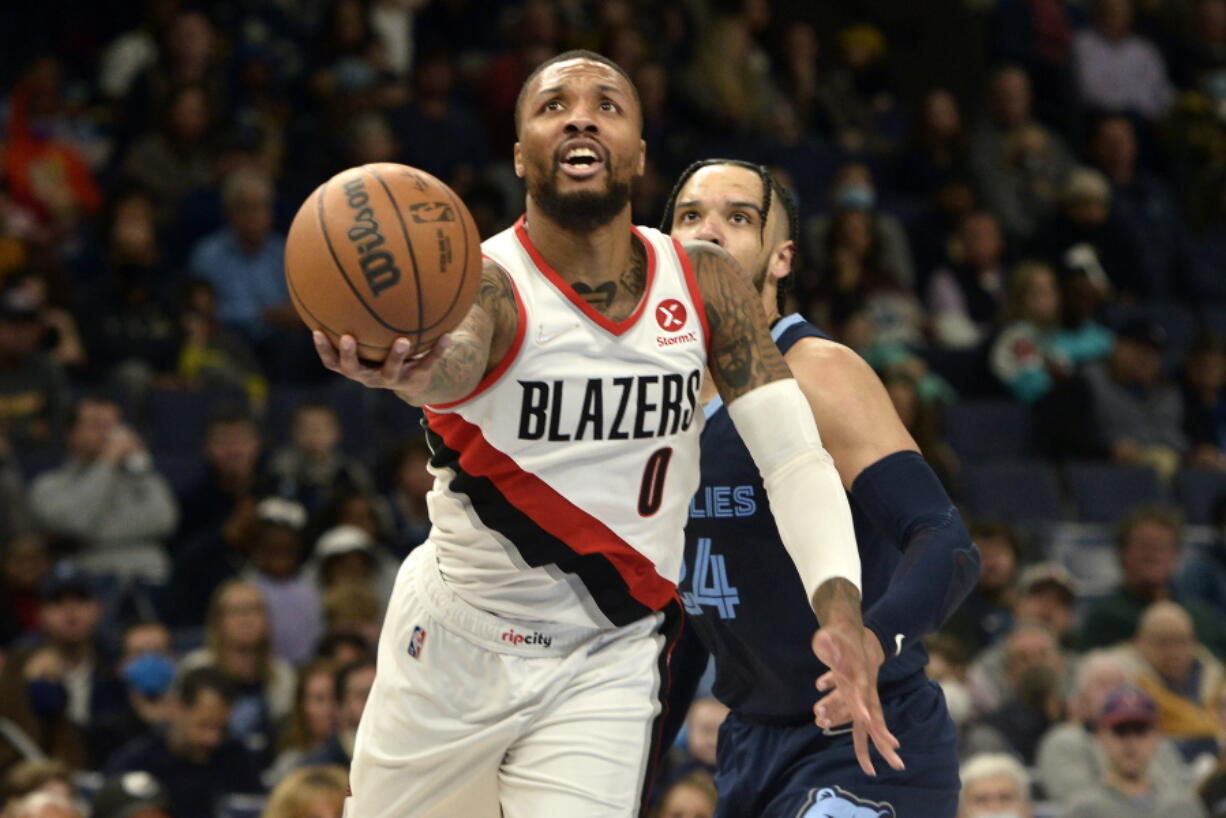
670, 315
378, 266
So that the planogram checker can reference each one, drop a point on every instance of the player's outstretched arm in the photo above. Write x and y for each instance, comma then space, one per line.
454, 366
882, 468
806, 496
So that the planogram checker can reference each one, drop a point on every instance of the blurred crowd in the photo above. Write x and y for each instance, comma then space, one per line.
1015, 210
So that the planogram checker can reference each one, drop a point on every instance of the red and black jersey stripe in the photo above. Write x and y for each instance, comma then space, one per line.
543, 526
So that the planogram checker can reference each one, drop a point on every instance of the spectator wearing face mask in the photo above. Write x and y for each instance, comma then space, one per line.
34, 711
1126, 730
147, 668
994, 785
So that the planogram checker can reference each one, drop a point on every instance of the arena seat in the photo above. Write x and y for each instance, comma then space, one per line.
1102, 492
988, 430
1199, 490
1017, 491
177, 417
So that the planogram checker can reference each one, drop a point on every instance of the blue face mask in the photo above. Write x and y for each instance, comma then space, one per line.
150, 674
857, 197
48, 699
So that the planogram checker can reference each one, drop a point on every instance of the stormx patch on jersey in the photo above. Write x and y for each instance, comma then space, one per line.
535, 638
723, 501
625, 408
417, 642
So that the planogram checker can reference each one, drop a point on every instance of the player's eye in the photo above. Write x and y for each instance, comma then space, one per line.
688, 216
740, 218
608, 106
552, 105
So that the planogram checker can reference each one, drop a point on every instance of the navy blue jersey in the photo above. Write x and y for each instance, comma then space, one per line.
742, 592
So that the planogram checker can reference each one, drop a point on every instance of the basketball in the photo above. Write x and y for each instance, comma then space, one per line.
381, 251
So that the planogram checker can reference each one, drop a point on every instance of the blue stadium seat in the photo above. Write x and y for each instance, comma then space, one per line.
181, 469
177, 417
1018, 491
36, 462
1103, 492
1199, 490
988, 430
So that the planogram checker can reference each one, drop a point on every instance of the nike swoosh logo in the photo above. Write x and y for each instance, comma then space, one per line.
897, 643
542, 338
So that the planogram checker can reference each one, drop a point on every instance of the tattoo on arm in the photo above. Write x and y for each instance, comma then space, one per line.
838, 598
477, 344
743, 354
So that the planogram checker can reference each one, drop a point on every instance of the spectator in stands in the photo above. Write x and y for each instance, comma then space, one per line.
131, 795
177, 159
1070, 759
232, 458
33, 390
693, 796
1204, 403
193, 758
245, 260
1148, 544
310, 792
147, 668
238, 643
862, 98
1181, 676
933, 231
1033, 351
34, 719
46, 805
353, 683
1213, 791
947, 666
728, 80
312, 469
69, 617
1047, 593
213, 357
1202, 576
853, 190
353, 608
313, 720
1088, 234
24, 561
406, 499
937, 149
31, 776
964, 298
348, 554
1126, 731
986, 613
1135, 410
15, 516
994, 785
350, 69
108, 498
61, 336
276, 559
342, 648
1207, 242
1118, 70
1038, 36
1019, 164
1143, 202
1033, 699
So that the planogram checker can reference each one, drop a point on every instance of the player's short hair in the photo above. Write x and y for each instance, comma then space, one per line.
574, 54
772, 191
987, 765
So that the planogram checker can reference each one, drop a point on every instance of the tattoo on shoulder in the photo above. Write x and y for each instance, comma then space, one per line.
743, 355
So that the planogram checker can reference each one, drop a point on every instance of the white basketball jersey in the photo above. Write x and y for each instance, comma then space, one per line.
562, 483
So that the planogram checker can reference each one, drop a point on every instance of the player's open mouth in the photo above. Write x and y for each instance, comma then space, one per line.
581, 159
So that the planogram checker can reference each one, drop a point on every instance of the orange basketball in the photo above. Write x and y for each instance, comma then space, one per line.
380, 251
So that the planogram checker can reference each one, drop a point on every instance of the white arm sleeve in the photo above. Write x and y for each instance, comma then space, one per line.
806, 495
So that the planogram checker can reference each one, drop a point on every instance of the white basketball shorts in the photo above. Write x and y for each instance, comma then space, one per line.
476, 716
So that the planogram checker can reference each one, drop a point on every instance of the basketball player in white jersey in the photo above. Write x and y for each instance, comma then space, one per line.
524, 656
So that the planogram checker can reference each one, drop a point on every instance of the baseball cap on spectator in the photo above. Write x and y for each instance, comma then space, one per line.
18, 304
342, 539
1087, 185
127, 795
280, 511
1143, 331
1127, 704
1047, 574
64, 579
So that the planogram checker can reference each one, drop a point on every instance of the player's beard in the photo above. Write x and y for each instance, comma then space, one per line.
582, 210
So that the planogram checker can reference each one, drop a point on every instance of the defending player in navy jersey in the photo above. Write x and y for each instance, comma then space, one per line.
779, 753
523, 658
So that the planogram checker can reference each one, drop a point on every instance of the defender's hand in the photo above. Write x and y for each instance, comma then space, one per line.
399, 372
853, 654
